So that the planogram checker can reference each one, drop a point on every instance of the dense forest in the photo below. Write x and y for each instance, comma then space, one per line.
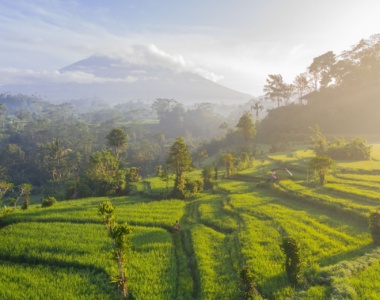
59, 149
338, 92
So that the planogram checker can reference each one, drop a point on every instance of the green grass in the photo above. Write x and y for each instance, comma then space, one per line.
216, 213
375, 152
46, 253
49, 258
214, 265
347, 190
366, 167
23, 281
324, 240
367, 282
359, 178
135, 210
69, 236
319, 198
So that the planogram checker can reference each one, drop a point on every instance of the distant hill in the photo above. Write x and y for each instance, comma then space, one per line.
114, 81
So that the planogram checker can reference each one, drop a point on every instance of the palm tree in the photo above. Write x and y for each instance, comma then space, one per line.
257, 107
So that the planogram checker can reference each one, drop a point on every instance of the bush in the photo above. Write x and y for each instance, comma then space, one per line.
207, 177
291, 248
248, 280
25, 204
356, 149
5, 211
46, 202
193, 186
11, 201
374, 226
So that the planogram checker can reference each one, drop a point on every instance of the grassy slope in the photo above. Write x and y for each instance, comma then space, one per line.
63, 250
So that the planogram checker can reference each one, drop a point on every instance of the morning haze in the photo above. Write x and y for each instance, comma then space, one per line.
216, 149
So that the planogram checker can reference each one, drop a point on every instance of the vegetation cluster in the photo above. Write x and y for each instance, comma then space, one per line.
284, 219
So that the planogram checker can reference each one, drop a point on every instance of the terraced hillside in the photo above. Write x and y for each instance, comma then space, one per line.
62, 252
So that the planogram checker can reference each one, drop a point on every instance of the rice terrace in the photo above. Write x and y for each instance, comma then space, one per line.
238, 225
152, 150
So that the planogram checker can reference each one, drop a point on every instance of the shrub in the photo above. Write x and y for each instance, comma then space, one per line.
321, 165
11, 201
207, 177
5, 211
374, 226
25, 204
194, 186
248, 279
46, 202
291, 248
356, 149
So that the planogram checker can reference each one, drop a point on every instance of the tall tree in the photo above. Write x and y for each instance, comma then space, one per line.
179, 160
119, 233
171, 116
246, 128
360, 65
163, 105
201, 154
228, 159
274, 88
117, 139
24, 190
104, 175
301, 86
4, 188
287, 92
55, 159
320, 68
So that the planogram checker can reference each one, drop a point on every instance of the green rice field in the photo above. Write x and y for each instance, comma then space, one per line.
63, 251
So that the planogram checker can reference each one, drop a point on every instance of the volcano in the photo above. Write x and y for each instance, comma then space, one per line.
116, 80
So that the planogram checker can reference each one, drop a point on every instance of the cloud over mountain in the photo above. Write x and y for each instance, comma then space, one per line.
138, 55
138, 72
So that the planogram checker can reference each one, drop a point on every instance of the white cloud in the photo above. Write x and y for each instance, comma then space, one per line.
16, 76
140, 55
255, 40
151, 55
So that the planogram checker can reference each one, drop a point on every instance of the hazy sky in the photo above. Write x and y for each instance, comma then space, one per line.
235, 42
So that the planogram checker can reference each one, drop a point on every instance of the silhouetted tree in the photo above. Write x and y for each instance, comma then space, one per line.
274, 88
301, 86
320, 68
257, 107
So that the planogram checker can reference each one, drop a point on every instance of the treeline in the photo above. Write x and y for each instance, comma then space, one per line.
340, 93
67, 151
